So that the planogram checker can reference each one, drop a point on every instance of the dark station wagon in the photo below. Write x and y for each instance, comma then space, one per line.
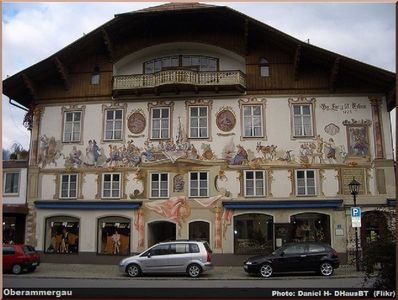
295, 258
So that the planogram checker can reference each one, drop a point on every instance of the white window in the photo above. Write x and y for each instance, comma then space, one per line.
11, 183
305, 183
72, 126
113, 124
198, 122
160, 123
95, 76
252, 121
254, 183
302, 120
68, 186
159, 185
264, 67
111, 185
198, 184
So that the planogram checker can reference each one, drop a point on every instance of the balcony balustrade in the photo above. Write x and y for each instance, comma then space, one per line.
222, 80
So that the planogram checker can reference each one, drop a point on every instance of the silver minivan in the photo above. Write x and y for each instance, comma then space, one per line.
191, 257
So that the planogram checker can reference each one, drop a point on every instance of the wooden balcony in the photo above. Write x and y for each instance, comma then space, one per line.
178, 81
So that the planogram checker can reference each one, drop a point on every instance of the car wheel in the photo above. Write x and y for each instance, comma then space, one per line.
194, 270
266, 270
16, 269
326, 269
133, 270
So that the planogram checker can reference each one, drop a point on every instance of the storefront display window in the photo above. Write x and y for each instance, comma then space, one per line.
114, 236
253, 234
312, 227
62, 235
199, 230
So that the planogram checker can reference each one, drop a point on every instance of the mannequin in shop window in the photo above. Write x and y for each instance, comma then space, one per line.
116, 242
65, 241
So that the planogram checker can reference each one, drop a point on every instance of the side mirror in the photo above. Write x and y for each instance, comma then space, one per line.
149, 255
282, 253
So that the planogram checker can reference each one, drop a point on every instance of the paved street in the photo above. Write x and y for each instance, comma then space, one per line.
106, 280
90, 271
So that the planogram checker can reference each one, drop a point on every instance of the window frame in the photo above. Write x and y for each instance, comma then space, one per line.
302, 116
255, 185
160, 123
264, 68
302, 101
198, 107
73, 112
198, 181
5, 182
252, 122
113, 109
159, 187
111, 185
306, 186
68, 190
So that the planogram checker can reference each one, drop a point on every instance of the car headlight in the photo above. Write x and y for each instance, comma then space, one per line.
249, 263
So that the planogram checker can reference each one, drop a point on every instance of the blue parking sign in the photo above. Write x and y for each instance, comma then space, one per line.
355, 212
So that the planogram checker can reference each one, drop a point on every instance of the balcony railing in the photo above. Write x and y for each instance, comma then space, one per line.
179, 77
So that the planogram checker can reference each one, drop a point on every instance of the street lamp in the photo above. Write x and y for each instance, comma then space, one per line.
354, 189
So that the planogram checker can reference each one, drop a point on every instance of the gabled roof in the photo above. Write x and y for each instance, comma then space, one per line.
175, 6
20, 87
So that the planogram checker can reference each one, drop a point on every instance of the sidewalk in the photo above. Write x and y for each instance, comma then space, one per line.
89, 271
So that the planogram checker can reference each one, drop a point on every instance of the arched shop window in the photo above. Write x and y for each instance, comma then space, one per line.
374, 227
253, 234
313, 227
62, 235
113, 236
199, 230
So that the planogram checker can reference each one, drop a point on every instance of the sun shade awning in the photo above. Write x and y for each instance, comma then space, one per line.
73, 204
283, 204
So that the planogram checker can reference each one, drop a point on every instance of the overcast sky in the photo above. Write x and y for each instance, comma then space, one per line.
34, 31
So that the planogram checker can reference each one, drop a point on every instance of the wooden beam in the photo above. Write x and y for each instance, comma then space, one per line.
246, 36
30, 85
333, 74
108, 44
296, 65
63, 72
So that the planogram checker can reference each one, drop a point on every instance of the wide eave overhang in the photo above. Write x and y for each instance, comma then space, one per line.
22, 87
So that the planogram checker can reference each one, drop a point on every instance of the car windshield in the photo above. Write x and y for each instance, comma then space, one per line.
28, 249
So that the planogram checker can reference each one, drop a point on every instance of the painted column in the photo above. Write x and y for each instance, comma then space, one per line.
33, 179
377, 133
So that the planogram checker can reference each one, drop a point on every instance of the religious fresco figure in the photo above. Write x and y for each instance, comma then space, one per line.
240, 157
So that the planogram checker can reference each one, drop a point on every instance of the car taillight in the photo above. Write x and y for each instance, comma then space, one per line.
208, 257
334, 253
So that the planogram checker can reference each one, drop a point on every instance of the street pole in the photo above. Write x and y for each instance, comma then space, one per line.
356, 238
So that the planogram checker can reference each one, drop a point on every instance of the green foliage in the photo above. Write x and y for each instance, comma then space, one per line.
379, 259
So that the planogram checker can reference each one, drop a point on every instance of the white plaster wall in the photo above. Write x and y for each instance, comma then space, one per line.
47, 190
281, 185
330, 185
21, 197
133, 63
386, 131
89, 186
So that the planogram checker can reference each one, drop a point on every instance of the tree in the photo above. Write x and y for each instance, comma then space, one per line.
18, 152
379, 259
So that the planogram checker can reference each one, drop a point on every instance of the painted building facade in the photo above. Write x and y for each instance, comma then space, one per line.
15, 174
175, 134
